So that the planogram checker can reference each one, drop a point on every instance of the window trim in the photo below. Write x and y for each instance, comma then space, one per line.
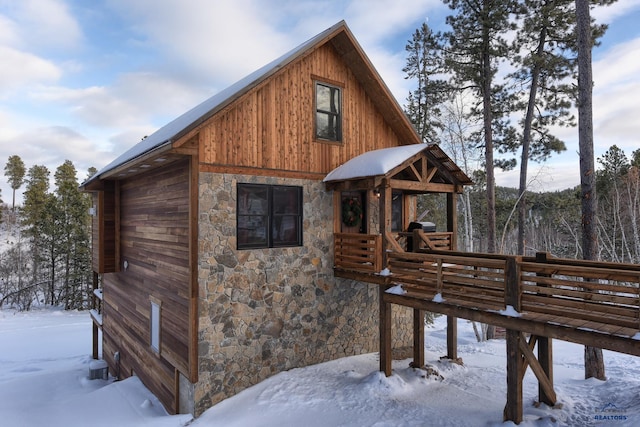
271, 215
339, 116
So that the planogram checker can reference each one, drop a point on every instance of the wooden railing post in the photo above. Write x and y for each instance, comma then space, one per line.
545, 350
515, 366
512, 284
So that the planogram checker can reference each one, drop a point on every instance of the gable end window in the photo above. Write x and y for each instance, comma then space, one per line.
269, 216
328, 112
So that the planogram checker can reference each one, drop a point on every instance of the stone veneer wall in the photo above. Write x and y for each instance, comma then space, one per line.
266, 311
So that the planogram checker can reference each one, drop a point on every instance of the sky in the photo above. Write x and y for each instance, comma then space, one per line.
46, 354
85, 81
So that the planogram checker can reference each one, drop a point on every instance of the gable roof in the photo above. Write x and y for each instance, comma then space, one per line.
388, 162
345, 44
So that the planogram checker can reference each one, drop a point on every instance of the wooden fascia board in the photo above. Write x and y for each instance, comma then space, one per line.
422, 187
163, 149
355, 184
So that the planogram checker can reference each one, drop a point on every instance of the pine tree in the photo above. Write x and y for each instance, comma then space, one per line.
15, 170
33, 213
74, 243
593, 359
475, 47
425, 65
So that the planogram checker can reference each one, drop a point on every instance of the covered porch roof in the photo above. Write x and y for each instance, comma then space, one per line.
416, 168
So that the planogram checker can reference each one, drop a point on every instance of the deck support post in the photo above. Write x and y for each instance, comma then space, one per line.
418, 338
452, 338
545, 357
95, 333
515, 373
385, 332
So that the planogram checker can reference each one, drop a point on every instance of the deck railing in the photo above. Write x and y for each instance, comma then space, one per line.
587, 295
599, 296
358, 252
417, 240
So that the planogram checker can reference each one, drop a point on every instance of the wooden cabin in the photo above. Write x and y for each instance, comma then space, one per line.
220, 241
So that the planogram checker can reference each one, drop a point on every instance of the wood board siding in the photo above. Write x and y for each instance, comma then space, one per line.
272, 126
155, 244
104, 229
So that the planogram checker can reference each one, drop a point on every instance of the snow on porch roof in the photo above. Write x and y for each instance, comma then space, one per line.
374, 163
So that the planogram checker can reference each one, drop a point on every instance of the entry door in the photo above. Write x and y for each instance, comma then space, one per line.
353, 212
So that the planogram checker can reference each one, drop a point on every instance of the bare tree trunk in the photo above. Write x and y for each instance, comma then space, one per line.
593, 359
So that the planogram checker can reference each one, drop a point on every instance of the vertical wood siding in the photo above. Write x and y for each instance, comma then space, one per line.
272, 126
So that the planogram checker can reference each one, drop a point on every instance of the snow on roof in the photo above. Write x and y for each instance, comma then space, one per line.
374, 163
166, 134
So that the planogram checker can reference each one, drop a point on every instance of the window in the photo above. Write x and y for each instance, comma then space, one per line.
396, 211
328, 115
269, 216
155, 325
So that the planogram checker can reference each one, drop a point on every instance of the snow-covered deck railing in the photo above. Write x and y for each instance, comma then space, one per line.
96, 316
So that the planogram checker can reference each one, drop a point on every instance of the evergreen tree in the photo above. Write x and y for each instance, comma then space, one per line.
425, 65
475, 47
74, 243
33, 212
593, 359
546, 40
15, 170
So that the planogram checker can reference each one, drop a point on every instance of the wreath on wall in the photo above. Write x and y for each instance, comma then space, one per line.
351, 212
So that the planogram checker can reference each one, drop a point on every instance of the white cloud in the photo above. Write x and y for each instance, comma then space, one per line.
22, 68
615, 97
222, 41
607, 14
8, 31
44, 24
133, 99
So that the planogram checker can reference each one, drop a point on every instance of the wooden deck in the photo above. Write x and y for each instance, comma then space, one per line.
586, 302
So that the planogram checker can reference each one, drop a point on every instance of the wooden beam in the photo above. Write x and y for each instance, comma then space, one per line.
452, 218
95, 341
385, 333
513, 408
452, 338
545, 357
620, 344
544, 382
418, 338
194, 289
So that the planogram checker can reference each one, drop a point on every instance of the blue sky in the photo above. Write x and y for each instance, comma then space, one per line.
85, 80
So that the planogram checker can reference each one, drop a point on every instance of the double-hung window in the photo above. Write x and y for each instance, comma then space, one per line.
269, 216
328, 112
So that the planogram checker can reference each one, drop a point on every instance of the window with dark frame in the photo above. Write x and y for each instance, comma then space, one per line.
269, 216
396, 211
328, 112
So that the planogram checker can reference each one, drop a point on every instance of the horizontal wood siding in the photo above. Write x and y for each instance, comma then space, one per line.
154, 235
272, 126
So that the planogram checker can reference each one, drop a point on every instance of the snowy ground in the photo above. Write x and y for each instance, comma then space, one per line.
44, 358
